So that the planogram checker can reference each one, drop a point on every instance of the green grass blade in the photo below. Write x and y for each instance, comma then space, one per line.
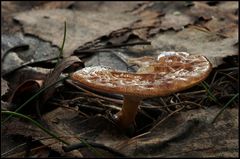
97, 153
33, 97
64, 38
210, 95
226, 105
35, 123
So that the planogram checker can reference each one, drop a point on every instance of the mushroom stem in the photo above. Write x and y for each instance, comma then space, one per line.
126, 116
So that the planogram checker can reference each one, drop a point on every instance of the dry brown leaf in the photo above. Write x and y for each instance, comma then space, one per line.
8, 8
190, 129
71, 63
202, 10
177, 21
24, 92
96, 129
178, 15
107, 6
222, 18
192, 132
223, 28
82, 26
163, 16
196, 41
20, 127
224, 10
149, 19
4, 86
55, 5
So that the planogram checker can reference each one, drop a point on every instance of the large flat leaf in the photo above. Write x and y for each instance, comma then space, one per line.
196, 41
82, 26
188, 133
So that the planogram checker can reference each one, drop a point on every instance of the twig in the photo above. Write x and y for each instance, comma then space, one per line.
29, 64
67, 107
164, 104
106, 48
192, 93
146, 114
14, 148
98, 109
96, 145
234, 79
161, 121
91, 93
179, 100
31, 151
130, 141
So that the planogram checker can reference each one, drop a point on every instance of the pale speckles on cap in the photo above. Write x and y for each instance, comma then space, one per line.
168, 73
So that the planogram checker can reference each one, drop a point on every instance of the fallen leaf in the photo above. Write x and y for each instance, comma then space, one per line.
96, 129
10, 43
175, 21
25, 128
179, 15
107, 6
4, 86
192, 132
163, 16
220, 18
8, 9
202, 10
82, 26
148, 18
190, 129
10, 141
196, 41
11, 63
54, 75
71, 127
55, 5
20, 51
19, 76
125, 36
223, 10
24, 92
223, 28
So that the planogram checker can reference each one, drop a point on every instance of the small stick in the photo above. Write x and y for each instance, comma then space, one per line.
161, 121
95, 145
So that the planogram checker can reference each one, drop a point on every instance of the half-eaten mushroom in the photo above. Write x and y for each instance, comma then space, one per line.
170, 72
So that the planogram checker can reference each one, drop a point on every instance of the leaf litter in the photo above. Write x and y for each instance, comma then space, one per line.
163, 124
80, 29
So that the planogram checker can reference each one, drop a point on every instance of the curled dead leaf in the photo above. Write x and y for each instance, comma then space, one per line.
22, 93
69, 64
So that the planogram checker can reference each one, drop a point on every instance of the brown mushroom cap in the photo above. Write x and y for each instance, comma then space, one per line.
168, 73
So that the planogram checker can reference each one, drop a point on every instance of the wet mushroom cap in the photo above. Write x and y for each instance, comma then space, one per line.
168, 73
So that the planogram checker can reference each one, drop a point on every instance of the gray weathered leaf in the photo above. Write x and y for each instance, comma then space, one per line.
82, 26
195, 41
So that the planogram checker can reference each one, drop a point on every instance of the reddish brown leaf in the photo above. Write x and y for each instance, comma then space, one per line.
24, 92
71, 63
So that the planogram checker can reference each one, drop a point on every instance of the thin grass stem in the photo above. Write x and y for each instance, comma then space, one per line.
64, 38
35, 123
33, 97
225, 106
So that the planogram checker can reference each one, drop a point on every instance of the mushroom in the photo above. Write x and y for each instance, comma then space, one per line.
170, 72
